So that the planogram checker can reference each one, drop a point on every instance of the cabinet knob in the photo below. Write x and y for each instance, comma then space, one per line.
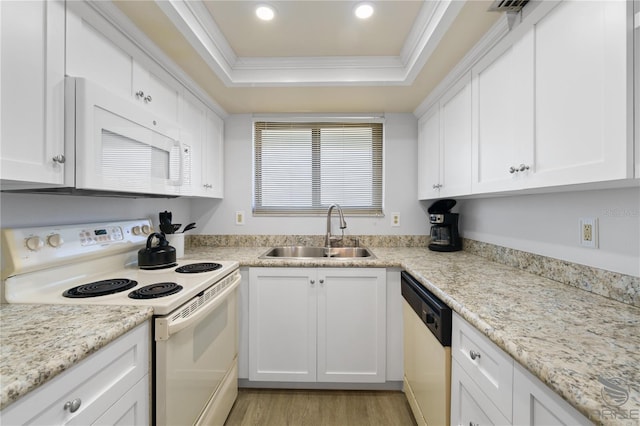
313, 282
512, 170
147, 99
523, 168
140, 94
474, 424
73, 406
59, 159
474, 354
437, 186
321, 281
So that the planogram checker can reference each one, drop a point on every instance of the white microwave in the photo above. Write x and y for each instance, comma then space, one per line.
120, 146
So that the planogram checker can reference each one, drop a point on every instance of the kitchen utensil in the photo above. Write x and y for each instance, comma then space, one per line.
175, 227
166, 228
165, 218
155, 257
189, 227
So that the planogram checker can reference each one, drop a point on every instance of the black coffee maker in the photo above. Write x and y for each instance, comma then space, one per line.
444, 227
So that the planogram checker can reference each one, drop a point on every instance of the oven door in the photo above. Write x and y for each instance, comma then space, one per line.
196, 347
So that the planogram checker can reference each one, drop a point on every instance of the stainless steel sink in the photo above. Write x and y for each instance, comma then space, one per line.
302, 252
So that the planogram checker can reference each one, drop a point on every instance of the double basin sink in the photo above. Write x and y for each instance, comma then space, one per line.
303, 252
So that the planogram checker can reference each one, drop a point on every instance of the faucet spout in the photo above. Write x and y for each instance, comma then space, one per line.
343, 224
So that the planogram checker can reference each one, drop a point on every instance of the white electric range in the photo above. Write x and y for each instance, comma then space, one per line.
194, 303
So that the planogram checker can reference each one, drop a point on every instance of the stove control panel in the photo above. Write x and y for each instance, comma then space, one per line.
31, 249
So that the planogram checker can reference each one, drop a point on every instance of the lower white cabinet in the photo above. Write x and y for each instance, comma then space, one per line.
110, 387
536, 405
488, 387
317, 325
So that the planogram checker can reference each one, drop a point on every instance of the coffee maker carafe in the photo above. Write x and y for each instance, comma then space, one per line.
444, 227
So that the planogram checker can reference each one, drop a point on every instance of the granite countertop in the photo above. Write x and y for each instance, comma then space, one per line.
38, 342
565, 336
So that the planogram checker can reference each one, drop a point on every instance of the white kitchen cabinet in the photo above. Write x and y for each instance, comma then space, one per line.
469, 404
552, 101
444, 150
317, 325
429, 154
488, 387
93, 53
502, 115
536, 405
32, 110
484, 363
202, 130
212, 162
110, 386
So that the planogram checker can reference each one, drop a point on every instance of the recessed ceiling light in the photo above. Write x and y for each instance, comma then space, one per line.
264, 12
364, 10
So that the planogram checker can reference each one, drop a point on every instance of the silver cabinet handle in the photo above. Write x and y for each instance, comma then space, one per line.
512, 170
60, 158
140, 94
147, 99
313, 282
73, 406
474, 354
437, 186
474, 424
321, 281
523, 168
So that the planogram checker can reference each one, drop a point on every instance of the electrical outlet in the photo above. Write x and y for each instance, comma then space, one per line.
240, 218
589, 232
395, 219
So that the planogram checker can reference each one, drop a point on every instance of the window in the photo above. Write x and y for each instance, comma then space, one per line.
303, 168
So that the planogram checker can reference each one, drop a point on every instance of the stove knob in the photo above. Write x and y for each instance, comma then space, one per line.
136, 230
55, 240
34, 243
146, 229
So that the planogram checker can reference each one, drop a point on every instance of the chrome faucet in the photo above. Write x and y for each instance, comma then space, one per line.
328, 238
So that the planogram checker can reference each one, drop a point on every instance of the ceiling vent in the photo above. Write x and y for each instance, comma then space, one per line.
509, 6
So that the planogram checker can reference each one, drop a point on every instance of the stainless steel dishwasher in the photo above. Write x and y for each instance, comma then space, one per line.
427, 353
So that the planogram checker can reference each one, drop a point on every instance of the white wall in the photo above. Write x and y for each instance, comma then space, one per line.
22, 210
548, 224
400, 150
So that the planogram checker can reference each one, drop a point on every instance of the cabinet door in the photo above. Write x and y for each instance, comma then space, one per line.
282, 324
352, 325
502, 114
191, 119
91, 55
149, 89
213, 156
455, 146
536, 405
583, 94
131, 409
429, 154
32, 84
469, 405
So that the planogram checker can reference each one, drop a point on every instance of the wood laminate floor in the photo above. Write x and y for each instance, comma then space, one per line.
279, 407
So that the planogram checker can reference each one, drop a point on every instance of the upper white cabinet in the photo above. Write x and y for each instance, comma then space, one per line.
203, 131
444, 147
552, 102
32, 111
324, 325
94, 56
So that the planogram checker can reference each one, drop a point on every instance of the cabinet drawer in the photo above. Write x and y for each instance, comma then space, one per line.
488, 366
98, 381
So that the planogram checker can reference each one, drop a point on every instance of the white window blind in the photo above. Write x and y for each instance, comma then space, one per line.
303, 168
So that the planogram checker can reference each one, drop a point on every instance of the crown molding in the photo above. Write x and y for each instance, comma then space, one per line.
195, 23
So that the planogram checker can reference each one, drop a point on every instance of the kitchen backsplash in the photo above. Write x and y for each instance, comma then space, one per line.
616, 286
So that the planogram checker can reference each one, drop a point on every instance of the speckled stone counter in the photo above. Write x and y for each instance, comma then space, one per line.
565, 336
38, 342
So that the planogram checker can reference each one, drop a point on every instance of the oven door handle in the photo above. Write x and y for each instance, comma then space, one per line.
165, 326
